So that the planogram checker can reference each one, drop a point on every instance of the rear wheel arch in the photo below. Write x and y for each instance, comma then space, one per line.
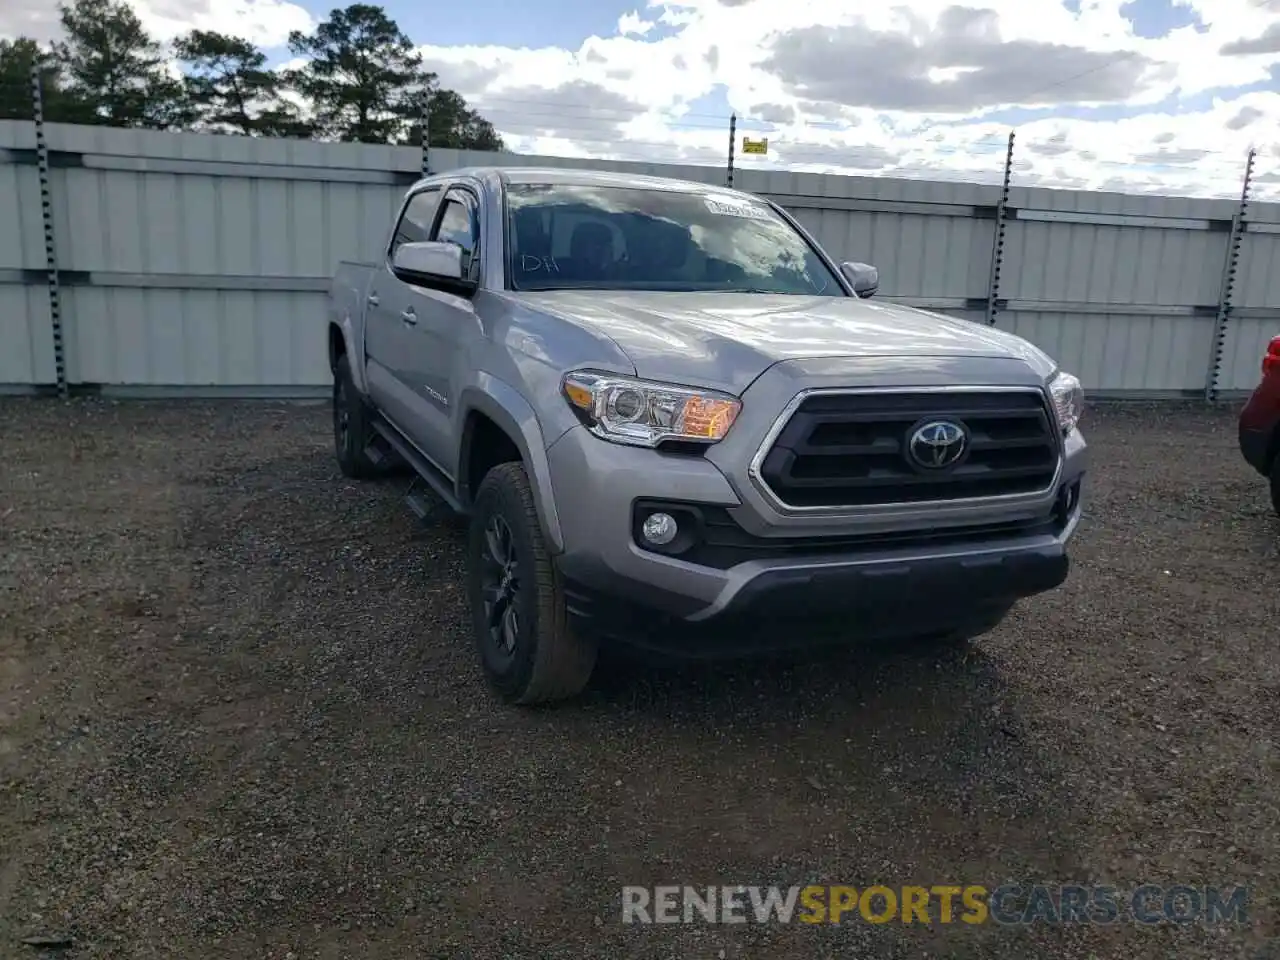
337, 346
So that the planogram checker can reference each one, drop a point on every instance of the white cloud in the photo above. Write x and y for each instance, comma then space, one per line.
264, 22
902, 88
633, 24
914, 87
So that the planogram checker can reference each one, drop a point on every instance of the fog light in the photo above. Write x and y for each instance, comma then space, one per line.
659, 529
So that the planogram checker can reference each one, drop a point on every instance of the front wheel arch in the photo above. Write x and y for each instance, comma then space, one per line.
499, 403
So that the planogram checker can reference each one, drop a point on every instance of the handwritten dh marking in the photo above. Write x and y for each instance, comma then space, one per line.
532, 264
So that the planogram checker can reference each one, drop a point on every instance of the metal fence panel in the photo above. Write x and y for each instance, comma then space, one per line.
196, 338
919, 256
194, 260
1114, 353
26, 339
1243, 346
164, 265
1119, 289
1105, 264
1255, 314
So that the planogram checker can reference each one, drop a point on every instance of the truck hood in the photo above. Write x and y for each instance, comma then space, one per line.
726, 340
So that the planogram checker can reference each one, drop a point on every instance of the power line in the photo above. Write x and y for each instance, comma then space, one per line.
1126, 55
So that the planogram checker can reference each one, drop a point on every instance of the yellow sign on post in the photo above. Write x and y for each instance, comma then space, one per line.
755, 146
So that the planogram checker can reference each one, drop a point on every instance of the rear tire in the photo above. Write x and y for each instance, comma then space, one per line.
351, 429
519, 620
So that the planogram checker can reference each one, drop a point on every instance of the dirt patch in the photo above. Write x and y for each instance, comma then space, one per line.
239, 717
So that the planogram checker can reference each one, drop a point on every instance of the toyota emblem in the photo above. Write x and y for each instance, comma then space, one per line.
937, 444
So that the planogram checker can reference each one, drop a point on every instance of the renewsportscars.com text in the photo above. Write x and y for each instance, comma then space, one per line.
1007, 904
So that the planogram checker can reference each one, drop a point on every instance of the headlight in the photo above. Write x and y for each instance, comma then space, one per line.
644, 414
1068, 397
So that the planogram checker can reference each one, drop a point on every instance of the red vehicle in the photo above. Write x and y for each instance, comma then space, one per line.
1260, 423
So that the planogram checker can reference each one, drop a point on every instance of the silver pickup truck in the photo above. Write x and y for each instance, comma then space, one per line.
672, 421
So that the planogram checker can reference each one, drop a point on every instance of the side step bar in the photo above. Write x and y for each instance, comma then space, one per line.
376, 452
429, 472
421, 507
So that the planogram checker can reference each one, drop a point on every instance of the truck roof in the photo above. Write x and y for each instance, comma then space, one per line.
610, 178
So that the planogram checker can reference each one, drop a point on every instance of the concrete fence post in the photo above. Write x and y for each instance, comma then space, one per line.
1230, 263
50, 246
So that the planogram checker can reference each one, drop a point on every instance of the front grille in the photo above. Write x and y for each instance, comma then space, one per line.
851, 449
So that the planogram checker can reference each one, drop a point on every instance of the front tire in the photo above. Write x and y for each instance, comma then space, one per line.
527, 650
1275, 484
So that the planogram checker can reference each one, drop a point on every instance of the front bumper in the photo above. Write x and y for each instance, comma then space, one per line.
959, 570
870, 600
1260, 425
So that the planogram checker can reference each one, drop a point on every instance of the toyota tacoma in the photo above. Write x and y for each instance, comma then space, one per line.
669, 419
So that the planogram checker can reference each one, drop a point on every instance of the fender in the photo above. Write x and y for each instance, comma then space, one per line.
343, 333
504, 405
355, 353
352, 330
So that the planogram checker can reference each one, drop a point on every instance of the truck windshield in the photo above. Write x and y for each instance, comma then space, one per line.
584, 236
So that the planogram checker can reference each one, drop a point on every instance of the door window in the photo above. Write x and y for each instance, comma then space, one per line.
415, 222
459, 225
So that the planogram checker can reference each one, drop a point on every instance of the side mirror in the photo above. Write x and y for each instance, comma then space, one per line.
435, 263
863, 276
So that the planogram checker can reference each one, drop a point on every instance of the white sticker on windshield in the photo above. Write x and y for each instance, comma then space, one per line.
735, 208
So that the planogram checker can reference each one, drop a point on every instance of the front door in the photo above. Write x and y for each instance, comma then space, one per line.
386, 334
438, 323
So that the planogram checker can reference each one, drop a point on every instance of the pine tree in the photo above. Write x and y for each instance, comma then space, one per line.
18, 59
360, 75
230, 89
111, 62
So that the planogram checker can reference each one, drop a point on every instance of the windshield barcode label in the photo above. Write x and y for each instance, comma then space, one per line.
729, 208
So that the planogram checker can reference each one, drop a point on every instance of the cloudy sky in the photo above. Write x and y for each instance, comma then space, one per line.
1161, 95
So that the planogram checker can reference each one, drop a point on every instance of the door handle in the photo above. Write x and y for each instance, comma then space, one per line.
372, 300
409, 316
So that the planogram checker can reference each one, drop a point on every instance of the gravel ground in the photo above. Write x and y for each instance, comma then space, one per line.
239, 718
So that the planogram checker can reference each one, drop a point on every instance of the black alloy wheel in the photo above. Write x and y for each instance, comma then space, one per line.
500, 583
341, 417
